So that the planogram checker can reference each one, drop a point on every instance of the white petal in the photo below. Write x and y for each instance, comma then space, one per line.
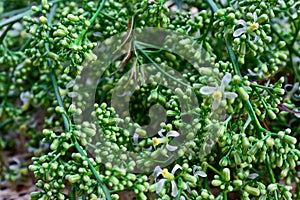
195, 168
254, 16
171, 147
135, 138
174, 189
157, 171
241, 22
175, 168
72, 94
297, 114
70, 84
200, 173
230, 95
216, 104
160, 132
25, 96
172, 134
295, 87
253, 175
239, 32
207, 90
182, 198
225, 80
160, 185
252, 73
255, 38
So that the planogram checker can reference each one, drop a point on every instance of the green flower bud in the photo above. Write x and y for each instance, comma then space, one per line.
253, 150
60, 33
54, 144
290, 139
272, 187
279, 91
205, 71
271, 114
226, 174
53, 56
73, 18
237, 182
170, 56
253, 191
262, 18
171, 113
43, 19
243, 94
189, 178
89, 131
73, 178
204, 194
216, 183
237, 158
35, 195
59, 110
141, 132
270, 142
284, 172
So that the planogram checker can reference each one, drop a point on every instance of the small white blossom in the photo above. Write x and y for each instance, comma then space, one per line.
291, 93
218, 93
69, 85
297, 113
167, 177
247, 28
25, 98
197, 172
165, 139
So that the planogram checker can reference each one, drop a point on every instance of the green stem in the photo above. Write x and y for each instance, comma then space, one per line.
21, 15
14, 12
95, 173
159, 68
5, 32
273, 180
214, 169
92, 20
213, 5
66, 120
224, 195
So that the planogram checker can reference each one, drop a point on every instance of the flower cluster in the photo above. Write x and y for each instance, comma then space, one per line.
230, 120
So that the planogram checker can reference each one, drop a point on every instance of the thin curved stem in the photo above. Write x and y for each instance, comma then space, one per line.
92, 20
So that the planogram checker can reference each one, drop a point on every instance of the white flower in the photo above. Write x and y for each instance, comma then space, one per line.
291, 93
167, 177
247, 29
197, 172
69, 85
297, 113
218, 93
165, 139
135, 139
25, 98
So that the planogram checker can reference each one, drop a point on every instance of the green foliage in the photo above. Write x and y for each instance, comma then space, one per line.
253, 49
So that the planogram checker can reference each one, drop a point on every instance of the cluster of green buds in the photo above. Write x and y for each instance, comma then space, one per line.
237, 60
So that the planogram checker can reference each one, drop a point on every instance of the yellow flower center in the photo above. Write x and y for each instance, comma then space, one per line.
254, 26
166, 174
155, 141
217, 95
